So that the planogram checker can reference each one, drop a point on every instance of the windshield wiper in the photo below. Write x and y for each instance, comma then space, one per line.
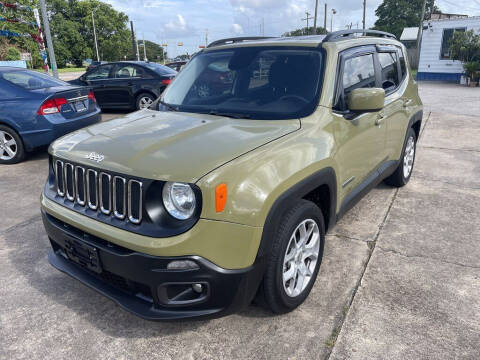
230, 115
168, 106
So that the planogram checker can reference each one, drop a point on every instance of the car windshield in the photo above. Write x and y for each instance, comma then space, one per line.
31, 80
249, 82
161, 69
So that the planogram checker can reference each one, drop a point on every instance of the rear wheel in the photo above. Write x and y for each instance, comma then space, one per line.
11, 146
402, 174
144, 100
295, 258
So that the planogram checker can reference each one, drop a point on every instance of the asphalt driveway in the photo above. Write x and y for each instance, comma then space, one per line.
400, 277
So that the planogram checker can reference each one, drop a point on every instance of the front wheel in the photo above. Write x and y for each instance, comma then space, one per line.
402, 174
295, 258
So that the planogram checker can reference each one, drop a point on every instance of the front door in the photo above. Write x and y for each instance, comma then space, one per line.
360, 137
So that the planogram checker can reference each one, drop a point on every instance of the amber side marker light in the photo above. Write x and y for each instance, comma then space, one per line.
220, 197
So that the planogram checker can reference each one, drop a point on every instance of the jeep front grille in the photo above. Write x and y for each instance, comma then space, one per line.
100, 191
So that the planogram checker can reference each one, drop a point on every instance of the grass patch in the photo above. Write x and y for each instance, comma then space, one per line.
67, 69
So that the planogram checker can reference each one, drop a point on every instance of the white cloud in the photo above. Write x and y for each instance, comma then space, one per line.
178, 28
236, 29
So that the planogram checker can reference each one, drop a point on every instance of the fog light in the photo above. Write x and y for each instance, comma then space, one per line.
182, 265
198, 288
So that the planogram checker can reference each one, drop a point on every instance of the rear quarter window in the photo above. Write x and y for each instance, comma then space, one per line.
30, 80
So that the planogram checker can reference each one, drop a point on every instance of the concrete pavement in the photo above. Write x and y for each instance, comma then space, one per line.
400, 278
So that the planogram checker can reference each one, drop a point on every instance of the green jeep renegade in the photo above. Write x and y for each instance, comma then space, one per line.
223, 190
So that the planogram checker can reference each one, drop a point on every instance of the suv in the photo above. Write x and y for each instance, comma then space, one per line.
199, 204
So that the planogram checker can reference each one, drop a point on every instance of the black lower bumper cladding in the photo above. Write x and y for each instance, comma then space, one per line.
142, 284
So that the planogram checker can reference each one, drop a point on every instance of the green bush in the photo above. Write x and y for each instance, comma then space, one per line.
13, 54
472, 70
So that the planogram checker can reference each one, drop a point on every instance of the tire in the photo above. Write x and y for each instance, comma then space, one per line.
402, 175
12, 150
144, 100
275, 293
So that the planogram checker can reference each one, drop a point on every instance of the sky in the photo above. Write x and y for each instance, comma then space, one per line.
186, 21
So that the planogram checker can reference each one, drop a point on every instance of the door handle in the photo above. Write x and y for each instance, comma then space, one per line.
407, 103
380, 119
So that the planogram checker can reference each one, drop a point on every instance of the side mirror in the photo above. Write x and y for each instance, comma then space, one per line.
366, 100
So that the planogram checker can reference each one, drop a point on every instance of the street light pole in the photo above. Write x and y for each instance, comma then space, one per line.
331, 20
95, 35
48, 35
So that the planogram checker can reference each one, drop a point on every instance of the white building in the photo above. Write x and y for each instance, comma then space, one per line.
435, 62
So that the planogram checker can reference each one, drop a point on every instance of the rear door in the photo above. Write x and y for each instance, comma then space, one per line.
100, 80
360, 136
396, 111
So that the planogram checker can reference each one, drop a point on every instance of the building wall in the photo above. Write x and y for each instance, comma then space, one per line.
431, 67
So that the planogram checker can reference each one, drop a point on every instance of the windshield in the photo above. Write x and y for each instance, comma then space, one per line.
249, 82
31, 80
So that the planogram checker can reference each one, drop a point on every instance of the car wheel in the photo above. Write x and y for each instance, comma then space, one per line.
402, 174
295, 258
11, 146
144, 100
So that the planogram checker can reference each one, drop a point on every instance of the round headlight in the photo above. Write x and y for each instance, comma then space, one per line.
179, 200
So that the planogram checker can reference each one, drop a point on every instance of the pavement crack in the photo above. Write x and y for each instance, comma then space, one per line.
425, 126
396, 252
22, 224
447, 149
346, 237
371, 245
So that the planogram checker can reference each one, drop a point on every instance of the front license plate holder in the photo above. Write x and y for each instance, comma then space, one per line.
83, 254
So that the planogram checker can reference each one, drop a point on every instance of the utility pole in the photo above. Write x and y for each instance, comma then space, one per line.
133, 39
95, 35
315, 18
144, 49
206, 37
48, 35
325, 20
308, 17
263, 26
420, 31
432, 9
364, 13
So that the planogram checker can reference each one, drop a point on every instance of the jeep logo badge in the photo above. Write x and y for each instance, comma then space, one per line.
95, 157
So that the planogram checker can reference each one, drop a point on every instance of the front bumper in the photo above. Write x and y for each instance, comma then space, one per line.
143, 285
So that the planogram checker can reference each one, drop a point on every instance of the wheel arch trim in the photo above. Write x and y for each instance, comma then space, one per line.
326, 176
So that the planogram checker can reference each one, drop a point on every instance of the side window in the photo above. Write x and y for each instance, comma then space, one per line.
99, 73
125, 71
389, 64
403, 64
358, 72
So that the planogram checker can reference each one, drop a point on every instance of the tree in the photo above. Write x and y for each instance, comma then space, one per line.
395, 15
465, 46
154, 51
13, 54
305, 31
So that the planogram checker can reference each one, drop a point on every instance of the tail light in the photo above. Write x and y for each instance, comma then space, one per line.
166, 82
51, 106
91, 96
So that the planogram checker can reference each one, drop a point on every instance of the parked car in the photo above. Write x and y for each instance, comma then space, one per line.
127, 84
193, 207
176, 65
36, 109
94, 64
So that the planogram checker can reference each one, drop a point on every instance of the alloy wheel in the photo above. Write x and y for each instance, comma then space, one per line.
409, 157
145, 102
8, 146
301, 257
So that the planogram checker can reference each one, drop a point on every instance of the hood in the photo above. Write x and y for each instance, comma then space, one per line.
168, 145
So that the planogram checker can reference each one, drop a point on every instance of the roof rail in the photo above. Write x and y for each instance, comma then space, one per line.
338, 35
236, 40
